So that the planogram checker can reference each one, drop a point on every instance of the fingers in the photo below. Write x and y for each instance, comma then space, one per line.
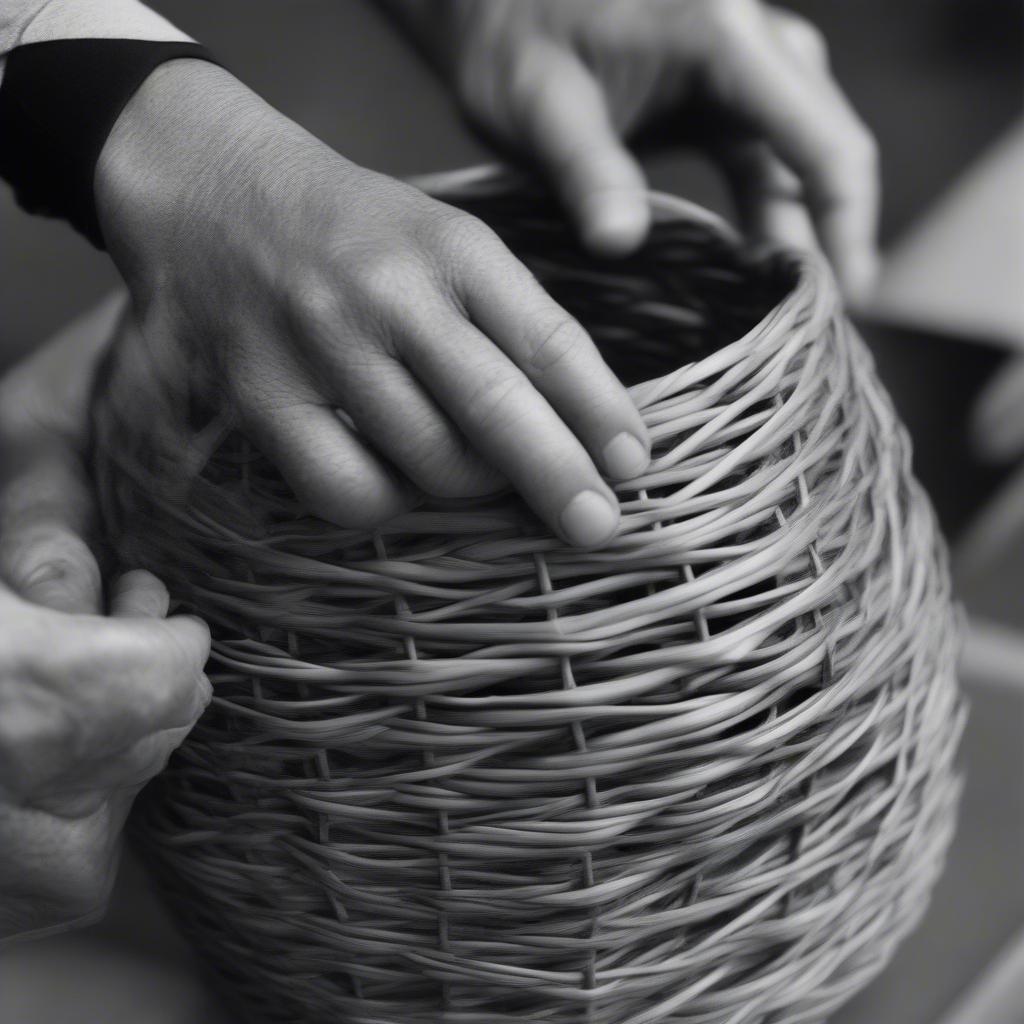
136, 676
561, 361
460, 409
138, 595
45, 512
48, 565
514, 428
331, 470
401, 420
562, 111
804, 116
768, 196
46, 505
80, 689
124, 772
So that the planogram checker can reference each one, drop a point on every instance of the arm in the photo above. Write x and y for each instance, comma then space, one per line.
94, 693
310, 284
568, 81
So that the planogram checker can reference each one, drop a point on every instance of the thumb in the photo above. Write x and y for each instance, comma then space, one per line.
48, 564
45, 509
562, 111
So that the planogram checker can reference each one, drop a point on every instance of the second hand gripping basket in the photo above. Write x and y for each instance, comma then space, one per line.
456, 771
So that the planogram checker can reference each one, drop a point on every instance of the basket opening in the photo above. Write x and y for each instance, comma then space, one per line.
688, 291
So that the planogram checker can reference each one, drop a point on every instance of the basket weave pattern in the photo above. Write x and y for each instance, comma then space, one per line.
455, 771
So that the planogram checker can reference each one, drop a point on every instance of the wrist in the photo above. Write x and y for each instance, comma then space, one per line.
196, 153
173, 128
58, 102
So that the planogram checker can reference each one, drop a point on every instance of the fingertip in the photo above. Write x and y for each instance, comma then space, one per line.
567, 123
192, 635
626, 456
588, 520
138, 594
614, 223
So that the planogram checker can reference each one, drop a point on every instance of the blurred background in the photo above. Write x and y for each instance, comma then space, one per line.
940, 84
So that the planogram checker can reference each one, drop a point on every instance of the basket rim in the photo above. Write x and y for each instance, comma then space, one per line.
813, 290
488, 179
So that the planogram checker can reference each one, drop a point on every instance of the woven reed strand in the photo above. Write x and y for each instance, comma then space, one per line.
455, 771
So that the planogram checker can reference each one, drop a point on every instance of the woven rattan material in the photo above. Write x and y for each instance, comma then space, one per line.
455, 771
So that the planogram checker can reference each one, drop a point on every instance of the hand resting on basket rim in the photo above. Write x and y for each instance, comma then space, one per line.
314, 285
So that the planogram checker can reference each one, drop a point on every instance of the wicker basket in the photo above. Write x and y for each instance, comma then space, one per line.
455, 771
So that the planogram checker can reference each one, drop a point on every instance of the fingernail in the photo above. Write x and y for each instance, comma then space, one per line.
588, 520
625, 457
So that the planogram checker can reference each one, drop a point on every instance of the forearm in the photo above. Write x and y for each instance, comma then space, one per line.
194, 149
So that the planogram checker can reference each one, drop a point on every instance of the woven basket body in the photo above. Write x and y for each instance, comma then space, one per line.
455, 771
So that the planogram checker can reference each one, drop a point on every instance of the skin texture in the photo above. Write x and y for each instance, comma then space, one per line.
95, 691
566, 83
375, 342
314, 285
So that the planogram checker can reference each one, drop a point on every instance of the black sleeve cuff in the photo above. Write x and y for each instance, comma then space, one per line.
58, 103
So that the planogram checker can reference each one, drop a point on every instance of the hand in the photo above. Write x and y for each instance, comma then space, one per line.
90, 706
314, 285
566, 81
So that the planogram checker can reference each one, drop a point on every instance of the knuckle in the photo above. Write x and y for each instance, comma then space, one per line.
312, 303
38, 735
498, 401
150, 671
559, 344
382, 277
459, 237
